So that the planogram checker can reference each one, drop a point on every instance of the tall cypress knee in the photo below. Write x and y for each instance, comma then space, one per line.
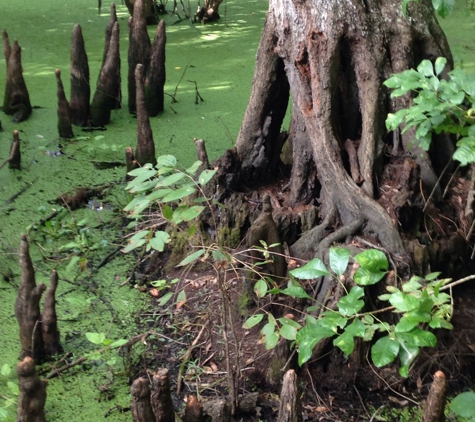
110, 26
16, 101
139, 49
49, 320
155, 76
145, 151
105, 97
80, 87
64, 115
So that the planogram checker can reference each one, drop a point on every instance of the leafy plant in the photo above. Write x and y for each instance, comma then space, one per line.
464, 405
104, 354
420, 302
439, 106
165, 186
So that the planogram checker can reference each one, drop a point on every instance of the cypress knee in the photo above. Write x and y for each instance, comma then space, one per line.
65, 129
80, 87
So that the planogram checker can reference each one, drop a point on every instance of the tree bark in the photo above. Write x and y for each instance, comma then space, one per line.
108, 86
14, 161
139, 50
27, 307
155, 76
79, 78
161, 398
290, 409
435, 404
141, 407
49, 320
193, 410
65, 129
145, 151
32, 398
17, 100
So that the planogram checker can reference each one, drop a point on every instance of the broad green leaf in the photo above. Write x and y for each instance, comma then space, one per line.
179, 194
181, 297
206, 176
137, 202
407, 354
418, 337
271, 340
312, 269
394, 120
166, 161
351, 303
252, 321
158, 194
464, 405
220, 255
159, 240
406, 324
268, 329
192, 170
412, 285
465, 152
288, 332
295, 291
425, 68
260, 288
291, 322
332, 320
3, 413
364, 277
191, 258
165, 299
373, 260
167, 212
443, 7
356, 328
404, 302
432, 276
339, 258
136, 241
438, 322
307, 339
146, 169
439, 65
384, 351
118, 343
367, 319
170, 180
187, 213
345, 342
6, 369
96, 338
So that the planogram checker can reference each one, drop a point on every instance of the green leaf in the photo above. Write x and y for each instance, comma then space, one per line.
364, 277
6, 370
307, 339
260, 288
252, 321
170, 180
443, 7
268, 329
291, 322
439, 65
384, 351
350, 304
356, 328
295, 291
339, 258
118, 343
432, 276
404, 302
425, 68
271, 340
137, 240
373, 260
288, 332
3, 413
407, 354
166, 161
191, 258
137, 203
206, 176
464, 405
179, 194
165, 299
418, 337
345, 342
438, 322
13, 387
96, 338
181, 297
159, 240
187, 213
312, 269
412, 285
406, 324
195, 166
332, 320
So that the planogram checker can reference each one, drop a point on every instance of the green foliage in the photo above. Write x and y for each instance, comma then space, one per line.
442, 7
8, 404
439, 106
105, 354
165, 187
420, 302
464, 405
